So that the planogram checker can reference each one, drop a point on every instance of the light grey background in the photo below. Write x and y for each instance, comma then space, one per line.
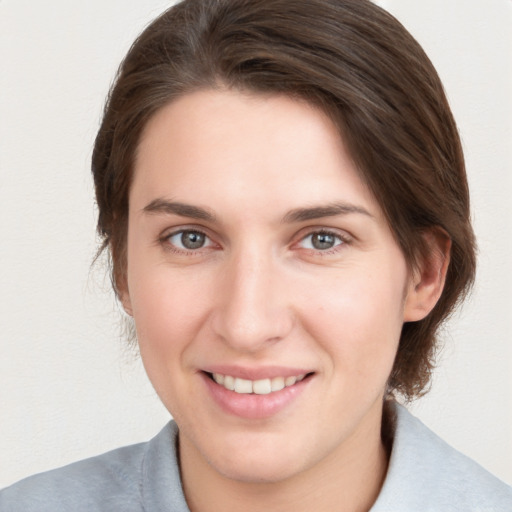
68, 388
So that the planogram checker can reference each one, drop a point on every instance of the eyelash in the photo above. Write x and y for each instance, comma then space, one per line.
342, 239
168, 245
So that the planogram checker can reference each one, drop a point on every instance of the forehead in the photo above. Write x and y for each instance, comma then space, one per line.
226, 145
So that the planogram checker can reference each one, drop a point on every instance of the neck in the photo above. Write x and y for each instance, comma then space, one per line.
349, 479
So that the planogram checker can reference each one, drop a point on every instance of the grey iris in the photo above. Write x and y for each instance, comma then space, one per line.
192, 239
322, 241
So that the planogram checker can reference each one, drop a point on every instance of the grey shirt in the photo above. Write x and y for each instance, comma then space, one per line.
424, 474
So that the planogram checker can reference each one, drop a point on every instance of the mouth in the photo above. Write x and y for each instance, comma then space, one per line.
262, 397
256, 387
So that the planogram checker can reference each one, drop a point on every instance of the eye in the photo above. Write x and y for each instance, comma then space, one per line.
189, 240
321, 241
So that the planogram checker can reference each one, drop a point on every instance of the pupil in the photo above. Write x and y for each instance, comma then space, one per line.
192, 239
323, 241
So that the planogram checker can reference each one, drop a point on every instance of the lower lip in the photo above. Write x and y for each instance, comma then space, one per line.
252, 406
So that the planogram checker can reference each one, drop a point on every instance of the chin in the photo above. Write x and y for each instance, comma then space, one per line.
258, 461
260, 471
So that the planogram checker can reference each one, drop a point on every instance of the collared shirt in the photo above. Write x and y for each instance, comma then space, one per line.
424, 474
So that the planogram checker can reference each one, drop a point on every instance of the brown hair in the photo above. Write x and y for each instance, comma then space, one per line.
350, 58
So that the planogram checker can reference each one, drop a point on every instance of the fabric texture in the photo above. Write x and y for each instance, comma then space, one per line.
424, 474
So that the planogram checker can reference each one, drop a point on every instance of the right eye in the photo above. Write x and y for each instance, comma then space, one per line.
189, 240
322, 241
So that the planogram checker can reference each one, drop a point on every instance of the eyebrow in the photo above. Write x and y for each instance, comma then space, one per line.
164, 206
318, 212
175, 208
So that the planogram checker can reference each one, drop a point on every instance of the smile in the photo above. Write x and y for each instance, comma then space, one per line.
258, 387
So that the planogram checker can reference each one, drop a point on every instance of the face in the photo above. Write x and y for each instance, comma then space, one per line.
267, 289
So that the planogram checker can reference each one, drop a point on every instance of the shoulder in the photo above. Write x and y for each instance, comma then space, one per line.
112, 481
425, 473
84, 485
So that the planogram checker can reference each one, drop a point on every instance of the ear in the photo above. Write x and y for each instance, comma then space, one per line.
428, 278
125, 300
123, 294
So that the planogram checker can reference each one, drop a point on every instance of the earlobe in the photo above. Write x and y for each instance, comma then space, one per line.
126, 302
124, 295
428, 278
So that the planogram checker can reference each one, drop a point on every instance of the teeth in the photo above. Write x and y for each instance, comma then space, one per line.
243, 386
277, 383
290, 381
229, 382
262, 387
258, 387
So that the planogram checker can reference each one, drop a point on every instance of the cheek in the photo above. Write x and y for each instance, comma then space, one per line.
167, 307
358, 319
168, 311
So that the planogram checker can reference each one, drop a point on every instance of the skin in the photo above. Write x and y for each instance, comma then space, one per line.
258, 171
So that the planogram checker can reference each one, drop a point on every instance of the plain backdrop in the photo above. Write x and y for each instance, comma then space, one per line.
69, 388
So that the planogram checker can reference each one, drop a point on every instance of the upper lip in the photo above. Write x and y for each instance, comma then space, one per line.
256, 373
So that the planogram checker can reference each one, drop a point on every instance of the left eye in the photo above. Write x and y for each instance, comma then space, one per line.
321, 241
189, 240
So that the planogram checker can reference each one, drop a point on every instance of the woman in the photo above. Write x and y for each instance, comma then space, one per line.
282, 191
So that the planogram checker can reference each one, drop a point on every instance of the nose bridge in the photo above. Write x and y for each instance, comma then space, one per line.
252, 309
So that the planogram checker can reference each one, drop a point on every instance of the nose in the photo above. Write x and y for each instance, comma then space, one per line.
252, 309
